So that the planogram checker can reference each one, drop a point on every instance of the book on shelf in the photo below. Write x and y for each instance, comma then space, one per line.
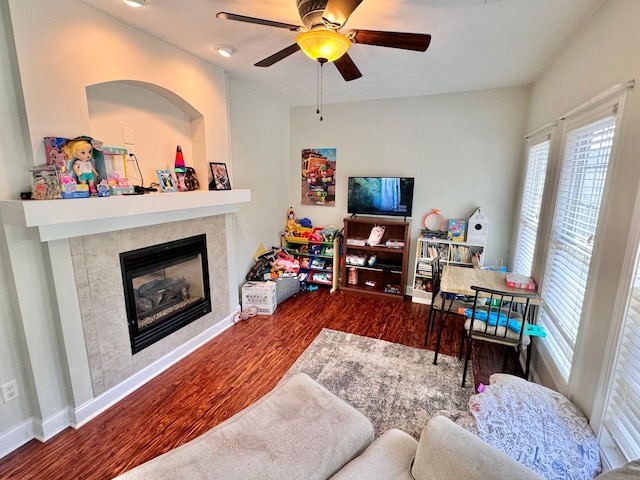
432, 251
424, 268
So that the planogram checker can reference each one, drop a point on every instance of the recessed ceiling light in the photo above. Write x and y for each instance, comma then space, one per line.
225, 50
135, 3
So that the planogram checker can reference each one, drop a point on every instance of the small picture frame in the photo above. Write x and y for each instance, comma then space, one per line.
167, 182
220, 176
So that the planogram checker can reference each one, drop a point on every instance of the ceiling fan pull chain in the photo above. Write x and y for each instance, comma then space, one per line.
318, 89
321, 65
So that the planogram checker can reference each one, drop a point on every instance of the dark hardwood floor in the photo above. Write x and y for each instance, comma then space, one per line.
224, 376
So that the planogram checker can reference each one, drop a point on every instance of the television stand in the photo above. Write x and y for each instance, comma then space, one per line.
375, 270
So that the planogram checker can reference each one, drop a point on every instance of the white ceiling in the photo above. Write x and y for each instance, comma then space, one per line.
476, 44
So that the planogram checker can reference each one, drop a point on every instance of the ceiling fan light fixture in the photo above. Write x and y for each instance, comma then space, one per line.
225, 50
135, 3
323, 45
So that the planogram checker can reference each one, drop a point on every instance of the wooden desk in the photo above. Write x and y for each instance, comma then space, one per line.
459, 280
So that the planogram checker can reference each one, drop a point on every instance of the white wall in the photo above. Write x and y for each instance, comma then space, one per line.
55, 69
13, 175
157, 127
604, 53
464, 150
260, 151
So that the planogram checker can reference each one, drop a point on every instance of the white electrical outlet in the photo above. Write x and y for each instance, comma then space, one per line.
9, 391
127, 134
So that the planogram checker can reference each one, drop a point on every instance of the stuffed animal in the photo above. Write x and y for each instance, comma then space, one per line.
285, 263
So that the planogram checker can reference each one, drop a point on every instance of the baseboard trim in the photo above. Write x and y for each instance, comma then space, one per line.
34, 428
44, 430
16, 437
95, 406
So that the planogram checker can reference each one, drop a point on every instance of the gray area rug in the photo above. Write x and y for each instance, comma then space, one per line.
395, 386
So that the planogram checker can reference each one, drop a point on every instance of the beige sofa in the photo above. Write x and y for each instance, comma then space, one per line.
300, 430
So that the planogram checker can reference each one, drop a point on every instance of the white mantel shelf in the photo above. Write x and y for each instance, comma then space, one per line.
57, 219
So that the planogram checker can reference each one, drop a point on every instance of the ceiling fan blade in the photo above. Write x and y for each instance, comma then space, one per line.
406, 41
337, 12
276, 57
257, 21
347, 68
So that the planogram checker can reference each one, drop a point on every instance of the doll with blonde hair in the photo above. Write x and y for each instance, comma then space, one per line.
80, 154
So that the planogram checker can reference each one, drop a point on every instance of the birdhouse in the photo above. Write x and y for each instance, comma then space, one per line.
478, 229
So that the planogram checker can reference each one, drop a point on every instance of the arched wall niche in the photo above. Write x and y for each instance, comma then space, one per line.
151, 121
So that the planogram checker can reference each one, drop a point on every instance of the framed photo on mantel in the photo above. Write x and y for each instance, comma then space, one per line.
167, 182
220, 177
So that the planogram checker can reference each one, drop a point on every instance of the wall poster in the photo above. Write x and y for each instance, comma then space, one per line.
319, 177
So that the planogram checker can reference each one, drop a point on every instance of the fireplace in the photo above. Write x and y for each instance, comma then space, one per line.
166, 287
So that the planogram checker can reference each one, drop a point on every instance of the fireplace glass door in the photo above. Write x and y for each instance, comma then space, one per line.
166, 287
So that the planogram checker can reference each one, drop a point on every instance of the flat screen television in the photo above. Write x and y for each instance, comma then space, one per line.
391, 196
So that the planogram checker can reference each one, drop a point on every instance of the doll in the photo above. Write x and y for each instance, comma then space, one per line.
80, 153
292, 224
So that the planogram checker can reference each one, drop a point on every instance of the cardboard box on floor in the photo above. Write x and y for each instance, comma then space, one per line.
261, 295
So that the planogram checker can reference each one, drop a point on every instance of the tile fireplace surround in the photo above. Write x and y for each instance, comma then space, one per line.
83, 257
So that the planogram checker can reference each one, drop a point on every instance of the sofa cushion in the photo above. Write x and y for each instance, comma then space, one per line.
299, 430
462, 418
446, 451
537, 426
630, 471
388, 458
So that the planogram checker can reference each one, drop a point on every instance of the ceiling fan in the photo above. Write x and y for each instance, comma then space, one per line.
321, 40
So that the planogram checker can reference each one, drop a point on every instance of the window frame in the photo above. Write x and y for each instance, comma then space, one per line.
588, 113
611, 456
544, 135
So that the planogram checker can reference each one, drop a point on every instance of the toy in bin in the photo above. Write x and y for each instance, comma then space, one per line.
322, 277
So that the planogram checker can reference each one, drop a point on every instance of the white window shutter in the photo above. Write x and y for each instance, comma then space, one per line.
587, 148
537, 157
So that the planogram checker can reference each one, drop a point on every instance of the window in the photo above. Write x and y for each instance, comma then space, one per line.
537, 157
587, 148
622, 417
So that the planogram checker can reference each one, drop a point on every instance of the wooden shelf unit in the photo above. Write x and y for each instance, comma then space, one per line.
386, 276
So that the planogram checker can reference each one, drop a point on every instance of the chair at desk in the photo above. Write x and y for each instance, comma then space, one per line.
441, 302
497, 317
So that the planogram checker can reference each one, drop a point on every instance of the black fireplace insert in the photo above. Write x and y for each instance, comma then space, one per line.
166, 287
